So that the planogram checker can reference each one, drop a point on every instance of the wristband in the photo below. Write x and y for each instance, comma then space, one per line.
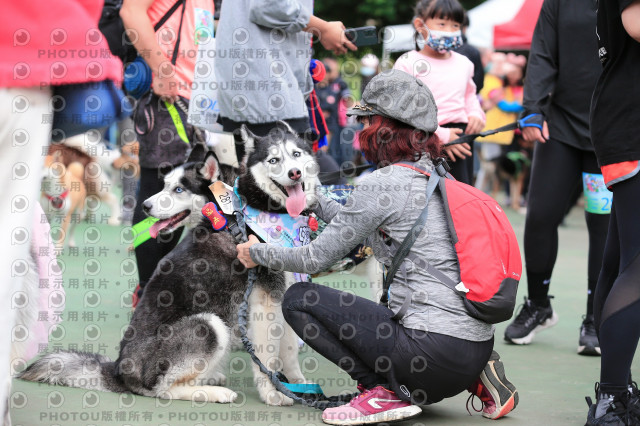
531, 120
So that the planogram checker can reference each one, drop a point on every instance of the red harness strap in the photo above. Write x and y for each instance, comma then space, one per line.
57, 201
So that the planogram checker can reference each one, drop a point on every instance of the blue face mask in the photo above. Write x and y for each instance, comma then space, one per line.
367, 71
444, 41
440, 41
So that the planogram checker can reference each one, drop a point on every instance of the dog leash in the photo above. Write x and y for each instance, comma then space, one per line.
531, 120
351, 171
471, 137
231, 206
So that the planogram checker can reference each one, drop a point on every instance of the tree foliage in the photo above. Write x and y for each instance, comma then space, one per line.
372, 12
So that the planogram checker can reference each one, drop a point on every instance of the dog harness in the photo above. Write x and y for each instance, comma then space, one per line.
271, 228
57, 201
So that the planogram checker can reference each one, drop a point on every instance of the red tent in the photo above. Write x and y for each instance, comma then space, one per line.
517, 33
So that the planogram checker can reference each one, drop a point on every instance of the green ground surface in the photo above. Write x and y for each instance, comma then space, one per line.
551, 378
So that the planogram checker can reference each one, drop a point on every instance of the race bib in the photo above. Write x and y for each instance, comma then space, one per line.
597, 198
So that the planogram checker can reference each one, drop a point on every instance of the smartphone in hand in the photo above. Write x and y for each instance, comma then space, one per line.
362, 36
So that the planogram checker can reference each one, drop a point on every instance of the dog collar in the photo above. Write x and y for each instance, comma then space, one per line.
57, 201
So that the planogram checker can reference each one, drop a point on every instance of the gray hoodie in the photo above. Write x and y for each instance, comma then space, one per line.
382, 209
262, 61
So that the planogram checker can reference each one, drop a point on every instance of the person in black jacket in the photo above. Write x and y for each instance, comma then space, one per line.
562, 71
615, 134
473, 54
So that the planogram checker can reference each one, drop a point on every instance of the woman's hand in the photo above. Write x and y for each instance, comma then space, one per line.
330, 34
533, 134
462, 150
243, 252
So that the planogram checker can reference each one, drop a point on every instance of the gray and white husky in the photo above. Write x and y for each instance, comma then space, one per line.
181, 331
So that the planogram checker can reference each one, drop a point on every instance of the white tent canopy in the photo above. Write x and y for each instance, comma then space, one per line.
483, 18
396, 38
486, 16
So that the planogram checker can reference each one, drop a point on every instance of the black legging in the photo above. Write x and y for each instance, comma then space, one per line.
556, 176
617, 301
462, 168
360, 337
149, 253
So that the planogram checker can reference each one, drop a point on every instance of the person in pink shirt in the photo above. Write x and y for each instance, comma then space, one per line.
449, 76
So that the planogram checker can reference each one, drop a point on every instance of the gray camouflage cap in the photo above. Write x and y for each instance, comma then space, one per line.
396, 94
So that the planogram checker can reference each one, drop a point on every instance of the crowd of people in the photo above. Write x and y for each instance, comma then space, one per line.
573, 94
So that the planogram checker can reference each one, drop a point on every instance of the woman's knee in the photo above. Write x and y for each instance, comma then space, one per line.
298, 296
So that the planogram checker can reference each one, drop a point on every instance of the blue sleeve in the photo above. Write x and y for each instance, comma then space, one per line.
510, 106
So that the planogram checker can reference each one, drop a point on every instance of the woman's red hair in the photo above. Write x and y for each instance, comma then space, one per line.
388, 141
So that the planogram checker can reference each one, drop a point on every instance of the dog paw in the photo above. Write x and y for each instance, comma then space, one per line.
225, 396
114, 221
277, 399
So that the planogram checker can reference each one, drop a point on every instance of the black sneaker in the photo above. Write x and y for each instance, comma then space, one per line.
531, 319
498, 395
588, 343
621, 410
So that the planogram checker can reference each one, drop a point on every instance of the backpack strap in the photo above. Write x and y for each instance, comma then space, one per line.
165, 18
437, 274
440, 165
402, 250
167, 15
174, 57
406, 245
442, 168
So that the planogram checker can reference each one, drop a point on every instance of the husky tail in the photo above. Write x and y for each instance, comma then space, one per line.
75, 369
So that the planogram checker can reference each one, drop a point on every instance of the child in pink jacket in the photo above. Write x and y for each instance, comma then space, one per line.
449, 76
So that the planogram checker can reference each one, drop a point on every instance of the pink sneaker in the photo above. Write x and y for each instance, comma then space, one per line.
372, 406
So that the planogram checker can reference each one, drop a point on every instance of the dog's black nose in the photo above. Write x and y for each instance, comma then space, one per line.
146, 207
295, 174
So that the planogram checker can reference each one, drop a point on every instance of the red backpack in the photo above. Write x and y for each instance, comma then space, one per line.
486, 246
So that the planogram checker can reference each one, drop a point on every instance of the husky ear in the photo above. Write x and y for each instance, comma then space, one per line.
248, 139
210, 170
197, 153
287, 126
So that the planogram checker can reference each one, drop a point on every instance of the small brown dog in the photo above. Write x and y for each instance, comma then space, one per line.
99, 163
63, 196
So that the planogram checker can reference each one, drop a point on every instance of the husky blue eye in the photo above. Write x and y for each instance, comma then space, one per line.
178, 189
296, 154
273, 161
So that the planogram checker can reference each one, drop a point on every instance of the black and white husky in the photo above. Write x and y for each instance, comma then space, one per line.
181, 331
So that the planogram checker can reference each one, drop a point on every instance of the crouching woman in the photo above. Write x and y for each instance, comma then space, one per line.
406, 354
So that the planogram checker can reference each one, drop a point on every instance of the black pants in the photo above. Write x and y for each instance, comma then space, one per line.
149, 253
617, 301
556, 177
462, 168
360, 337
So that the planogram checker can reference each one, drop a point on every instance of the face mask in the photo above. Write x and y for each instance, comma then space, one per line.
444, 41
440, 41
367, 71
